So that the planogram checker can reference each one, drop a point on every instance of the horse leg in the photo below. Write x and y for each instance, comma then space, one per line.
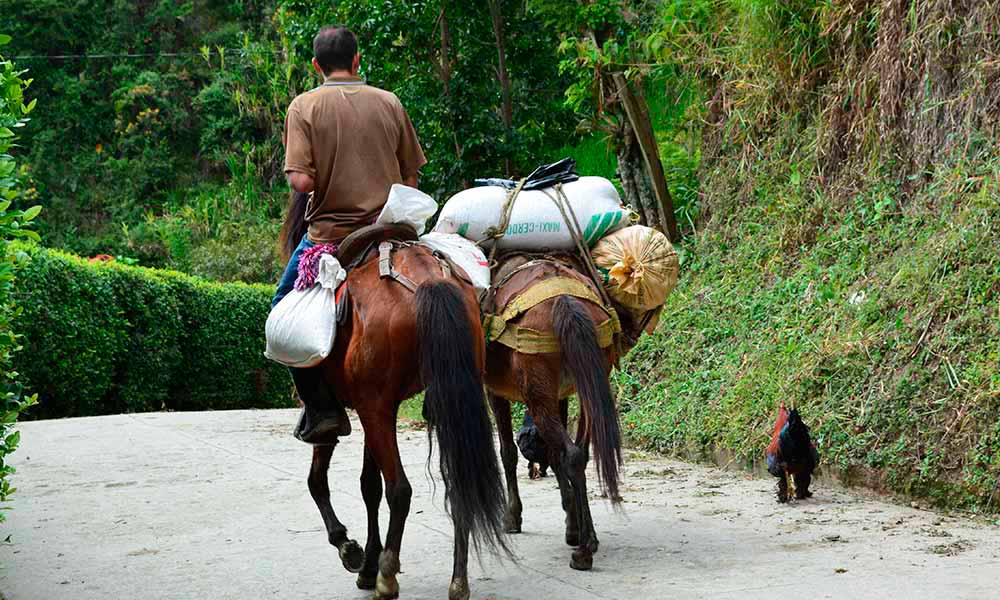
553, 434
573, 485
583, 444
319, 487
371, 491
397, 492
459, 588
576, 462
508, 454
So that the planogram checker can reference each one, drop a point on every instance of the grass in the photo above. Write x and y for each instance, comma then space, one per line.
876, 315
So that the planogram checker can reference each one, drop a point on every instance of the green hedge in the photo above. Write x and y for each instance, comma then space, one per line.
103, 337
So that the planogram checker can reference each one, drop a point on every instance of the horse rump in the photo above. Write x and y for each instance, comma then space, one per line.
455, 409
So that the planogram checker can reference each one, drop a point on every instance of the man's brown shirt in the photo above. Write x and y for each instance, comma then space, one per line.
355, 141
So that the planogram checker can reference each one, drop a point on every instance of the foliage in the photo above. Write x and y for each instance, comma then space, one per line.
161, 120
13, 224
102, 337
186, 109
827, 275
453, 96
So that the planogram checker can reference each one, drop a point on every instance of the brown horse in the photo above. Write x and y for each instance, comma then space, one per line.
372, 369
545, 380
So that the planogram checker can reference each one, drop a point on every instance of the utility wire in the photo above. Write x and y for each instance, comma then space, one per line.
213, 52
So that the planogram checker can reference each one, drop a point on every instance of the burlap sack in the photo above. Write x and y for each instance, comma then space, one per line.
640, 266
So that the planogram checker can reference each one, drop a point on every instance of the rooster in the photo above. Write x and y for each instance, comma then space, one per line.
791, 452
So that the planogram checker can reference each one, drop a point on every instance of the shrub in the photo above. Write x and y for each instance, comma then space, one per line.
102, 337
13, 113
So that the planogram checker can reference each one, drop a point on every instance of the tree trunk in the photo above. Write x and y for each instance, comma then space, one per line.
507, 105
445, 69
642, 129
639, 164
631, 171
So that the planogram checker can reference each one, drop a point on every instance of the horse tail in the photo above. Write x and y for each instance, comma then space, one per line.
455, 409
586, 363
295, 225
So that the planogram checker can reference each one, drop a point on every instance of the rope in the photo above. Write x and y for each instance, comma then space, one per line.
564, 205
496, 233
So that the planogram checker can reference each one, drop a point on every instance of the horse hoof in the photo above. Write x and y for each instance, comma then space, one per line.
582, 560
366, 582
352, 556
459, 589
386, 588
512, 525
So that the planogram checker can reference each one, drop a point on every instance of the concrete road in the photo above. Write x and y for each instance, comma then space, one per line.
214, 505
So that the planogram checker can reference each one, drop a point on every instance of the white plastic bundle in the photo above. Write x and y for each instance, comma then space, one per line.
407, 205
536, 222
301, 328
464, 254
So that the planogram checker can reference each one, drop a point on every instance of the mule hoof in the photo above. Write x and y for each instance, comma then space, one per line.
352, 556
459, 589
366, 582
582, 560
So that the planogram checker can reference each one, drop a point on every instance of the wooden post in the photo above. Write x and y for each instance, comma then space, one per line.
638, 117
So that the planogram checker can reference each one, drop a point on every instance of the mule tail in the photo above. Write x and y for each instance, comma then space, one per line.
455, 409
584, 360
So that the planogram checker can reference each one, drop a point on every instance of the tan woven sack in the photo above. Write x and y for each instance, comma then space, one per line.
640, 266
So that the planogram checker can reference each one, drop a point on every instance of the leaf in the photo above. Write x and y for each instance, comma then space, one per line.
5, 39
31, 213
31, 106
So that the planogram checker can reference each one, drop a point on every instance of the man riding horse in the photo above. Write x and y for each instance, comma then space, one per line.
346, 143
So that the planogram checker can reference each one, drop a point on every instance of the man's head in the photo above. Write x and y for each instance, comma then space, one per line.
335, 49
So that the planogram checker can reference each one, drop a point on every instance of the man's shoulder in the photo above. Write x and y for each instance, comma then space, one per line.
383, 95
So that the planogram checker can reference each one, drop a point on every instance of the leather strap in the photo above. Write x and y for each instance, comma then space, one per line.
530, 341
387, 271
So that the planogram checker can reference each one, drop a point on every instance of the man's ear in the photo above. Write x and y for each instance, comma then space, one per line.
318, 68
356, 64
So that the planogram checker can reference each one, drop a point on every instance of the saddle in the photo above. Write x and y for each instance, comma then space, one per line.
525, 281
355, 248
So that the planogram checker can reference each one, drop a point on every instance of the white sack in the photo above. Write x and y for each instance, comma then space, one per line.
463, 253
407, 205
536, 222
300, 329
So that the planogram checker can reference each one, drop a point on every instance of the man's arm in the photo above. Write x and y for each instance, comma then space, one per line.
304, 184
299, 167
409, 153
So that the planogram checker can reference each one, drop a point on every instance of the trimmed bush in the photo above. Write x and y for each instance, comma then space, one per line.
102, 338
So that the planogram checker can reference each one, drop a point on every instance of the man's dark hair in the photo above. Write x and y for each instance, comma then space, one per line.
334, 48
